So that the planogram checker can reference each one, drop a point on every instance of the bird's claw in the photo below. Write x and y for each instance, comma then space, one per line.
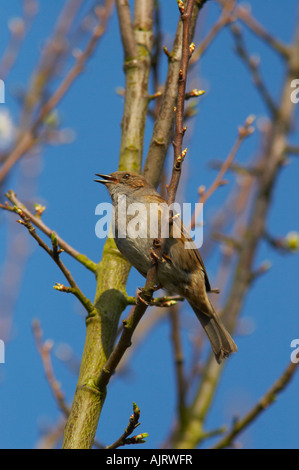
154, 256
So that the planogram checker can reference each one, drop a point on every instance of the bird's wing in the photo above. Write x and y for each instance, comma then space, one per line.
189, 258
186, 259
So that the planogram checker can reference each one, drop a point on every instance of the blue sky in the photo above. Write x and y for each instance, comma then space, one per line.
93, 109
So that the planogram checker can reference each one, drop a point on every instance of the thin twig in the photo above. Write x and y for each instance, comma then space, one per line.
253, 65
163, 128
179, 154
29, 138
165, 301
268, 399
44, 349
19, 28
133, 424
244, 131
224, 19
53, 253
178, 362
37, 221
292, 149
244, 14
51, 59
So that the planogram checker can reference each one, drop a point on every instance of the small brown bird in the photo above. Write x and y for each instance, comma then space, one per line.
181, 271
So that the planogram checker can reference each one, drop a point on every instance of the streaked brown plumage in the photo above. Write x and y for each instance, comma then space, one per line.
182, 271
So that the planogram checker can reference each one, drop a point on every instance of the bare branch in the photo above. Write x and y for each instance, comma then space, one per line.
253, 65
133, 424
268, 399
179, 154
163, 128
225, 18
29, 138
137, 66
126, 29
244, 14
19, 28
178, 362
37, 221
270, 166
44, 349
292, 149
244, 132
54, 253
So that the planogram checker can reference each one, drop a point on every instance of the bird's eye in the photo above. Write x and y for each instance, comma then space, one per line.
126, 176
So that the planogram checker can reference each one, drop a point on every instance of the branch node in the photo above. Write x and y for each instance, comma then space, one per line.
168, 54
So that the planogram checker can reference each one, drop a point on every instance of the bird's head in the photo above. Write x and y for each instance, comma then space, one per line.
124, 182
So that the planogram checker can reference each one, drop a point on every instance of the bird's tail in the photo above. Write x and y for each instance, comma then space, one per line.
221, 341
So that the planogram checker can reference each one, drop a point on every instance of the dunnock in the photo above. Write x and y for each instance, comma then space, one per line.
180, 271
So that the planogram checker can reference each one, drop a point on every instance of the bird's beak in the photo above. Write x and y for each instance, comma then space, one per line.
106, 179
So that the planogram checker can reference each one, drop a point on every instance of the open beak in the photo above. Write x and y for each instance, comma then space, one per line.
106, 179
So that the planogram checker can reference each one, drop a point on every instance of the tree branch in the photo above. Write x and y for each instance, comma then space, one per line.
244, 131
145, 297
163, 127
178, 363
126, 29
44, 349
37, 221
113, 270
28, 139
267, 400
187, 50
244, 14
133, 424
270, 165
54, 253
253, 65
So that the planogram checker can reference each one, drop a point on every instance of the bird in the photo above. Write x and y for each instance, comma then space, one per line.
180, 271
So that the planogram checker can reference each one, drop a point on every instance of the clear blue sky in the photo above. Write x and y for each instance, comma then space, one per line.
93, 110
